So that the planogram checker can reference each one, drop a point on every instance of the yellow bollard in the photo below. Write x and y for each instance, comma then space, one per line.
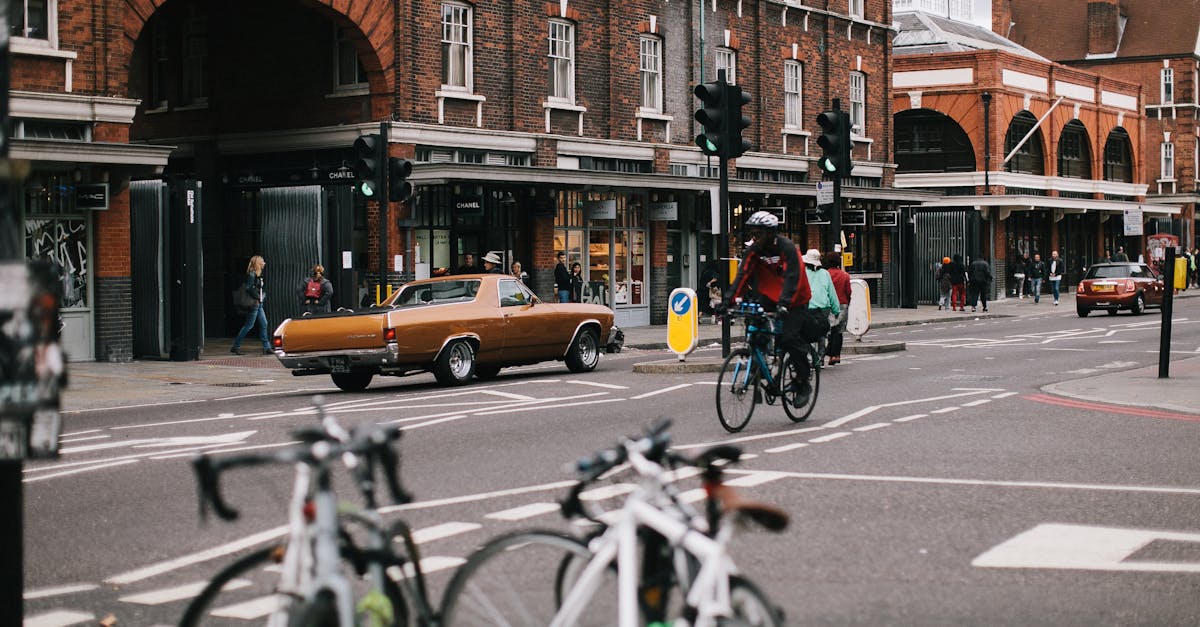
1181, 270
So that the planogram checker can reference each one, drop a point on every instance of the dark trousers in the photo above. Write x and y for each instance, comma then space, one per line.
978, 292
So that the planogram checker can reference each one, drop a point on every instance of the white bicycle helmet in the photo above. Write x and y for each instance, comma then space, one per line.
764, 219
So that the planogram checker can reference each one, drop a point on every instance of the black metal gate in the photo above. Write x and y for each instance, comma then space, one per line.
292, 241
939, 234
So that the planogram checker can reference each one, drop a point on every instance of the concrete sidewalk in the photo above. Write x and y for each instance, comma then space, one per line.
219, 374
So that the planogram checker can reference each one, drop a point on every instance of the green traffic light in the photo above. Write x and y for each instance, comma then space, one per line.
827, 164
366, 188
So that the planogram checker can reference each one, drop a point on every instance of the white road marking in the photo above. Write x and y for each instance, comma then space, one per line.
177, 593
249, 610
85, 431
58, 618
238, 437
524, 511
515, 397
756, 477
945, 410
1004, 394
746, 438
1117, 342
609, 386
79, 470
119, 407
831, 437
1080, 547
787, 447
428, 565
436, 421
444, 530
662, 391
608, 491
707, 383
977, 403
908, 418
471, 498
878, 425
1098, 487
210, 450
64, 440
555, 406
42, 593
197, 557
278, 392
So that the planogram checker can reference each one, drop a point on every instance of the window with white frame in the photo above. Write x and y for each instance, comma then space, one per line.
31, 19
793, 74
1168, 85
348, 72
858, 103
195, 59
1168, 162
856, 8
456, 47
651, 73
562, 61
727, 60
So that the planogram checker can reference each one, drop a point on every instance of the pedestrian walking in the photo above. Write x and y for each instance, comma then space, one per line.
824, 300
1054, 272
942, 277
1120, 255
1036, 273
958, 283
1019, 269
316, 292
1195, 267
253, 297
562, 278
492, 263
841, 286
980, 275
575, 283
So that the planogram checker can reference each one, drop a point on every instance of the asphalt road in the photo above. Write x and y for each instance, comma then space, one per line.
932, 486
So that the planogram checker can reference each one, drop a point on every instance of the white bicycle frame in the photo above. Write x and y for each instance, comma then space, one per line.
708, 592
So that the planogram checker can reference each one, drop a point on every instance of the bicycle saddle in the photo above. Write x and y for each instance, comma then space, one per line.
769, 517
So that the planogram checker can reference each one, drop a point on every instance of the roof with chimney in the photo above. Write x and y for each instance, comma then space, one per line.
1144, 28
921, 33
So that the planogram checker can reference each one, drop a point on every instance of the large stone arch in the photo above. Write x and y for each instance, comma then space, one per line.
931, 141
370, 25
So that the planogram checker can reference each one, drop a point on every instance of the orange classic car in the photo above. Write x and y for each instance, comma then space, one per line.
456, 327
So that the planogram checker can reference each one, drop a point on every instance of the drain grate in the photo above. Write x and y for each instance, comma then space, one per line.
235, 384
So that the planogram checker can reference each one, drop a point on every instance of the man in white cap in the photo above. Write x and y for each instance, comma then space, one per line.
491, 263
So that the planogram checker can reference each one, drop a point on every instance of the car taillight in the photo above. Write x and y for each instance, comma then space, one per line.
389, 334
1079, 288
277, 341
1129, 285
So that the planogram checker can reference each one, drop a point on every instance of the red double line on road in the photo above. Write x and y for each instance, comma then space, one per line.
1115, 409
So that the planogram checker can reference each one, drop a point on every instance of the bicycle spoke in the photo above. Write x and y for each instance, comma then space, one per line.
737, 390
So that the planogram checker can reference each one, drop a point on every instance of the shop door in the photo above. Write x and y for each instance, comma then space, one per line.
293, 227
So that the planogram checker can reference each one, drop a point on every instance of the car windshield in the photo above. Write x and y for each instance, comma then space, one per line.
435, 293
1118, 272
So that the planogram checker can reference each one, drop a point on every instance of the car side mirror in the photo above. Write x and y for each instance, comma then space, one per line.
535, 300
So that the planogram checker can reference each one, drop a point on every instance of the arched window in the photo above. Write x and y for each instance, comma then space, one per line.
1118, 166
927, 141
1030, 159
1074, 156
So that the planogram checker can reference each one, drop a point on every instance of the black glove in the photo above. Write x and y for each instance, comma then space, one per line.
781, 311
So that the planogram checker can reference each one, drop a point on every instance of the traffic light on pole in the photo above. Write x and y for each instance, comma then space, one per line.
368, 171
711, 115
399, 189
736, 122
835, 142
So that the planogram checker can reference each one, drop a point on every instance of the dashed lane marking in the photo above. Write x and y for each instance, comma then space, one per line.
831, 437
945, 410
444, 530
977, 403
910, 418
787, 447
59, 618
662, 391
1082, 547
177, 593
525, 511
878, 425
42, 593
607, 386
249, 610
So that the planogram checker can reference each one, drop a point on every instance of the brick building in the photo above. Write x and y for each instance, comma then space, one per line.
534, 126
1151, 43
1033, 156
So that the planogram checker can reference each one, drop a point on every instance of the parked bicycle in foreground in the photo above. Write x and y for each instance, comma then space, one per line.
541, 577
325, 578
763, 371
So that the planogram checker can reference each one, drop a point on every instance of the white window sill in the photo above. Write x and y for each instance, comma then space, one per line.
38, 48
563, 106
349, 91
1171, 180
792, 130
649, 114
454, 94
862, 139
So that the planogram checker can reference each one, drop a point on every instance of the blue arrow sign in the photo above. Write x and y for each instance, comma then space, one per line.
680, 304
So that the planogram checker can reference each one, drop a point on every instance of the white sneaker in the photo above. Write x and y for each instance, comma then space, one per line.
1056, 303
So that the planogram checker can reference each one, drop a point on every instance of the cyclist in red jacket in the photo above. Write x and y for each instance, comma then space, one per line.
773, 270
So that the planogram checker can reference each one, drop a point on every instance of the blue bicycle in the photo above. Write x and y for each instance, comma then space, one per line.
763, 370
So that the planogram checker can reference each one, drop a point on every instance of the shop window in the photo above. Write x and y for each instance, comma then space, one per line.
57, 232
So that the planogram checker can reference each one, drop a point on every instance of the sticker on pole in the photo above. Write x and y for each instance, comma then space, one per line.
682, 321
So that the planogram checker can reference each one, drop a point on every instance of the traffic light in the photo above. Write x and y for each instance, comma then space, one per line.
735, 122
835, 141
399, 189
368, 174
711, 115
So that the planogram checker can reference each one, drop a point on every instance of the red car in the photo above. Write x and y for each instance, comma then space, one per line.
1115, 286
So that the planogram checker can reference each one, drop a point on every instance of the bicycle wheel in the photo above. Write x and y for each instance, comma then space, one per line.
737, 390
751, 607
796, 407
521, 578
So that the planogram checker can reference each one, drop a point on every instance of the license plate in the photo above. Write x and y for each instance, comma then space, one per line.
1103, 287
339, 365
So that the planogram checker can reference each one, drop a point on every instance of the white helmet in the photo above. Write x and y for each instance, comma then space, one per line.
764, 219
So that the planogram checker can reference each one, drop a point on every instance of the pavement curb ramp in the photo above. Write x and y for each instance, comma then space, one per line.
709, 364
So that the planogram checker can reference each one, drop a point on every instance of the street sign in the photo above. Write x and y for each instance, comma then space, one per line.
1133, 221
824, 193
858, 320
682, 321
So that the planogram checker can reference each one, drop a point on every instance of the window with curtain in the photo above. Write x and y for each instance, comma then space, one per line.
1168, 162
456, 47
858, 103
1168, 86
651, 73
727, 60
793, 114
562, 60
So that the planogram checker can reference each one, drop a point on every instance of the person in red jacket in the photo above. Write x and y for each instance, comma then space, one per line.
772, 269
841, 285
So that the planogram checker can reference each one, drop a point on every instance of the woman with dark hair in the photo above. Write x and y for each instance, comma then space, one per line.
576, 283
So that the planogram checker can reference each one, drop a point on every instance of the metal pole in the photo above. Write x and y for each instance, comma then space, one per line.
723, 200
382, 195
987, 142
1164, 336
835, 217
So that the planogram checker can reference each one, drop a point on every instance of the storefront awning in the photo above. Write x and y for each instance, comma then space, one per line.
1008, 204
